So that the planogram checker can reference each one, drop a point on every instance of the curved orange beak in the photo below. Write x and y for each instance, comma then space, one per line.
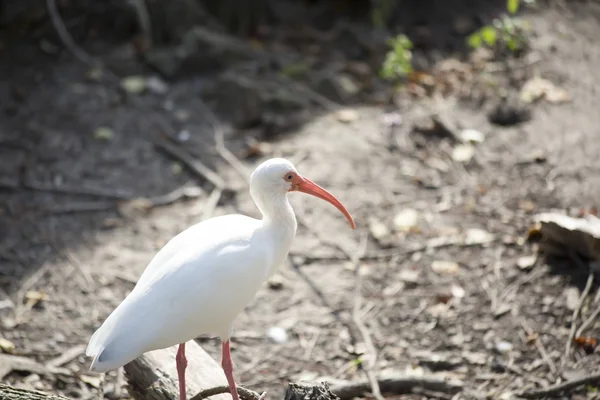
305, 185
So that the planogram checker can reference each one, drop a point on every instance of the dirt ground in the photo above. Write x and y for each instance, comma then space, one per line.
477, 311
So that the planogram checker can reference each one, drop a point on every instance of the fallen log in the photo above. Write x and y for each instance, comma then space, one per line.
12, 393
153, 376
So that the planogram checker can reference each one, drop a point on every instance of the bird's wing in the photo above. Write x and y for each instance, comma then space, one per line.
200, 280
197, 238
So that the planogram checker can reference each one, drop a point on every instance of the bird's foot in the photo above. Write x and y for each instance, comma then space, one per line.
262, 396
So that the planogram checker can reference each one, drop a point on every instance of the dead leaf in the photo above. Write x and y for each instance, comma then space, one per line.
537, 88
463, 153
406, 220
527, 205
347, 115
133, 84
572, 296
526, 262
33, 297
587, 343
93, 381
478, 236
103, 133
443, 267
7, 346
378, 229
471, 136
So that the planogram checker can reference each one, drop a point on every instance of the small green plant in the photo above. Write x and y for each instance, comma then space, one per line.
398, 61
507, 32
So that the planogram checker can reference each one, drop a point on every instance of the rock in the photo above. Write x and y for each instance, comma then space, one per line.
200, 51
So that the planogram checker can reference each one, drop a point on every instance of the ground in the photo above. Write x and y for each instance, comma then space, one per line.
478, 312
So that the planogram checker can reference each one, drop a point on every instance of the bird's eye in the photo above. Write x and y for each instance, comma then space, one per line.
289, 177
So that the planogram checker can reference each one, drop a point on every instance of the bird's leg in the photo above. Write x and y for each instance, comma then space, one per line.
181, 366
228, 368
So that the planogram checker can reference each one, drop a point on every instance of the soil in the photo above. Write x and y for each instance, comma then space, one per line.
486, 317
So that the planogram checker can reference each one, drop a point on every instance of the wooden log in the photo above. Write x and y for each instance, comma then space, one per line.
153, 376
315, 391
12, 393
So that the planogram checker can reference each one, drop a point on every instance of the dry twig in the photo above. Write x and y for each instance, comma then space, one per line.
397, 384
195, 165
364, 331
560, 388
540, 347
211, 204
227, 155
26, 286
66, 37
577, 311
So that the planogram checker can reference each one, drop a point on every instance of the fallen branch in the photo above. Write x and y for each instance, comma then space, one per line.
560, 388
9, 363
245, 394
153, 376
66, 356
12, 393
80, 191
397, 385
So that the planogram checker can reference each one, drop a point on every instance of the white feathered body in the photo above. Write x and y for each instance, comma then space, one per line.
196, 284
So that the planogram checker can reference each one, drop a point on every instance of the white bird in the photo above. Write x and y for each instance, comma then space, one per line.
204, 277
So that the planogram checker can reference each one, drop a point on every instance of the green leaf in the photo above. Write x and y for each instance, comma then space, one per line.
474, 40
489, 35
512, 6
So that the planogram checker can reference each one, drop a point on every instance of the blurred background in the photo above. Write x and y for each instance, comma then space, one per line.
445, 126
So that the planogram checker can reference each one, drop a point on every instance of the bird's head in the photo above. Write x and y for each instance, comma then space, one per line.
279, 176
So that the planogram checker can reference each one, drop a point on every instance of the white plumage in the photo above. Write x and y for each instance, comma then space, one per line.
204, 277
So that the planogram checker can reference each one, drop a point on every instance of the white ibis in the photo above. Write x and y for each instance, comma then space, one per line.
204, 277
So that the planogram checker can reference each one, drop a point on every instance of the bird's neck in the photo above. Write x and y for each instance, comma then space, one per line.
277, 211
280, 221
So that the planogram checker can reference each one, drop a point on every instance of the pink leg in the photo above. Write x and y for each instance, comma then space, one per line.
181, 366
228, 368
